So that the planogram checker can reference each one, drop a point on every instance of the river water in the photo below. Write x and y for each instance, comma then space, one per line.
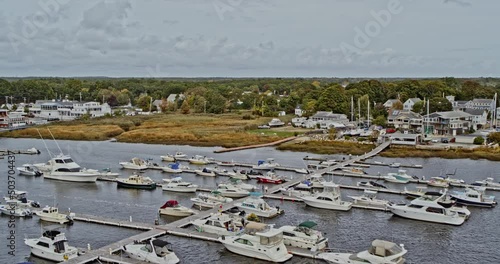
477, 241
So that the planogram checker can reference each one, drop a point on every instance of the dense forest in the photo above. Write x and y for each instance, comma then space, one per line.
264, 96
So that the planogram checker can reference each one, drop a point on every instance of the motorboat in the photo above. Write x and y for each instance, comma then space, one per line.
210, 200
395, 179
395, 165
369, 200
135, 164
216, 196
29, 170
13, 209
240, 176
175, 168
226, 163
107, 173
354, 170
222, 172
271, 177
168, 158
63, 168
52, 245
438, 182
229, 190
304, 236
178, 185
21, 200
152, 251
315, 181
205, 172
299, 190
32, 151
474, 197
329, 198
51, 214
371, 184
173, 208
220, 224
401, 174
267, 164
180, 155
420, 190
199, 160
259, 241
381, 252
252, 174
489, 182
136, 182
302, 171
240, 184
256, 205
154, 166
430, 207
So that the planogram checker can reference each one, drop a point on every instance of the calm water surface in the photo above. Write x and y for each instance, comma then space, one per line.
477, 241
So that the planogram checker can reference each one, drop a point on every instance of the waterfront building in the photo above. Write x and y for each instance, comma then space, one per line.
64, 110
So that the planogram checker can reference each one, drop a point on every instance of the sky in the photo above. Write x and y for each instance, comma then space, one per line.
250, 38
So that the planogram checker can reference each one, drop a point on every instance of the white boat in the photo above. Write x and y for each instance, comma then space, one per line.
63, 168
298, 190
168, 158
21, 200
13, 209
220, 224
134, 164
371, 184
420, 190
304, 236
179, 155
302, 171
395, 179
430, 207
395, 165
267, 164
329, 198
153, 251
369, 200
276, 122
52, 245
178, 185
216, 196
229, 190
51, 214
489, 182
259, 241
474, 197
29, 170
240, 176
222, 172
174, 168
173, 208
256, 205
199, 160
136, 182
202, 201
107, 173
205, 172
381, 252
32, 151
226, 163
315, 181
438, 182
240, 184
154, 166
354, 170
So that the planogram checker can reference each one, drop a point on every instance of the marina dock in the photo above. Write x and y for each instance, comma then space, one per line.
255, 146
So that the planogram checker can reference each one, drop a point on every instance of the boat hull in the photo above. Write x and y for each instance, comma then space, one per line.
233, 194
72, 252
259, 254
173, 212
403, 211
170, 170
311, 201
135, 252
206, 174
179, 189
133, 167
473, 203
81, 177
273, 181
150, 186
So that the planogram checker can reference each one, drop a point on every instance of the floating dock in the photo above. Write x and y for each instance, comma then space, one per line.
255, 146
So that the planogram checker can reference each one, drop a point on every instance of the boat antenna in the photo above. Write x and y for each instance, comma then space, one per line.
47, 148
55, 141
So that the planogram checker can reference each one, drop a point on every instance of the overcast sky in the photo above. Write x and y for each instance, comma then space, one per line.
250, 38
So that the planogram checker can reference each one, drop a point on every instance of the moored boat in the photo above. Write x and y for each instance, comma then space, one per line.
51, 214
220, 224
489, 182
199, 160
62, 167
329, 198
474, 197
52, 245
229, 190
304, 236
271, 177
298, 190
136, 182
134, 164
371, 184
256, 205
420, 190
152, 251
438, 182
205, 172
20, 198
369, 200
29, 170
173, 208
12, 208
268, 164
178, 185
381, 252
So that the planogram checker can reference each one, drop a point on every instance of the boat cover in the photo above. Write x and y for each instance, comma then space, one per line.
170, 203
308, 224
160, 243
174, 166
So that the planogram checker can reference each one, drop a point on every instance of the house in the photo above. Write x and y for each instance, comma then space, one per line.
479, 117
281, 113
448, 123
329, 116
3, 118
17, 119
390, 103
298, 111
479, 103
174, 97
157, 104
67, 110
404, 119
408, 105
405, 139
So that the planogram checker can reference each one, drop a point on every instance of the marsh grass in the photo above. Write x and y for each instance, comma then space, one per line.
327, 147
475, 154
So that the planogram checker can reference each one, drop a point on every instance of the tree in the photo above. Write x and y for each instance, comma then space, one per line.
494, 137
418, 107
332, 133
185, 107
144, 102
333, 99
397, 105
478, 140
439, 104
380, 120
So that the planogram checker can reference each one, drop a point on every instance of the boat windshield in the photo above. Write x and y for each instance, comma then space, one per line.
68, 160
271, 240
384, 248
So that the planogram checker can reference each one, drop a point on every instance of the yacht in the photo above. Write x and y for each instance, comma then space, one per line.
226, 163
420, 190
239, 175
173, 208
240, 184
474, 197
174, 168
369, 200
489, 182
136, 182
430, 207
271, 177
381, 252
13, 209
29, 170
205, 172
371, 184
199, 160
210, 200
329, 198
19, 197
153, 251
438, 182
52, 245
135, 164
297, 191
220, 224
259, 241
267, 164
304, 236
178, 185
51, 214
354, 170
229, 190
256, 205
63, 168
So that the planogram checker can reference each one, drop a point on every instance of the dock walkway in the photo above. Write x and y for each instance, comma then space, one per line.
255, 146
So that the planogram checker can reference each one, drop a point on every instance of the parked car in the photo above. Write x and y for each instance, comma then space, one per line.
435, 140
390, 130
444, 140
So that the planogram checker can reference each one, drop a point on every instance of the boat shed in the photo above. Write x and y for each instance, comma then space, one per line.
406, 139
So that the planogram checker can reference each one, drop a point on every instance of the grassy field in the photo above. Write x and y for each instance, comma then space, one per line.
478, 153
327, 147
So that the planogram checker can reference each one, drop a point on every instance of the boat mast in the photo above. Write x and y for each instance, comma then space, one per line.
368, 117
352, 108
55, 141
359, 112
427, 116
47, 148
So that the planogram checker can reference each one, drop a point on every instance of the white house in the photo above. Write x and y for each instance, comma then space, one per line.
173, 97
157, 104
404, 119
448, 123
479, 117
390, 103
408, 105
480, 103
298, 111
67, 110
405, 139
329, 116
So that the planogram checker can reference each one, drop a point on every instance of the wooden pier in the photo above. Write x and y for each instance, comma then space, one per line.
5, 152
255, 146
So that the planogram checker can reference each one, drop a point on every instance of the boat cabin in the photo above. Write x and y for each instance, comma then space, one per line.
50, 210
384, 249
56, 239
271, 237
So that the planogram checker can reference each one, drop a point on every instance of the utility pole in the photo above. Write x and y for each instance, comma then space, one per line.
24, 98
352, 108
150, 103
80, 96
205, 107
